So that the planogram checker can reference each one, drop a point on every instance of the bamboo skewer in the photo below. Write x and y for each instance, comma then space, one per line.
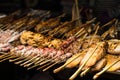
36, 64
44, 62
7, 55
85, 35
105, 69
80, 68
84, 72
8, 58
19, 62
77, 12
82, 33
79, 31
13, 60
86, 24
41, 60
30, 61
110, 22
2, 26
68, 23
51, 21
97, 25
44, 66
51, 66
63, 66
23, 59
4, 55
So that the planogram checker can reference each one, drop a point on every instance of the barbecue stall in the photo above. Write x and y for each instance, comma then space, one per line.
62, 47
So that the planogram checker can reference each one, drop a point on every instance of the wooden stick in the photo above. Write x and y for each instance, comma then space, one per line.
63, 66
13, 60
45, 31
8, 55
5, 55
36, 64
19, 62
41, 60
79, 31
44, 62
104, 35
8, 58
82, 33
77, 12
44, 66
32, 62
50, 66
110, 22
24, 59
97, 25
29, 59
86, 24
84, 72
105, 69
80, 68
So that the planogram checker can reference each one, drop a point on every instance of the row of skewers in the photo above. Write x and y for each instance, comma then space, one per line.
95, 57
13, 25
90, 50
41, 57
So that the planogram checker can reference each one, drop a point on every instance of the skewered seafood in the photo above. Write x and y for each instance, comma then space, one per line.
91, 57
113, 46
99, 65
98, 54
71, 62
110, 59
75, 62
112, 65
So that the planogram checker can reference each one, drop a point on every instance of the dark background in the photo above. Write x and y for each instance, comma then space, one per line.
8, 6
